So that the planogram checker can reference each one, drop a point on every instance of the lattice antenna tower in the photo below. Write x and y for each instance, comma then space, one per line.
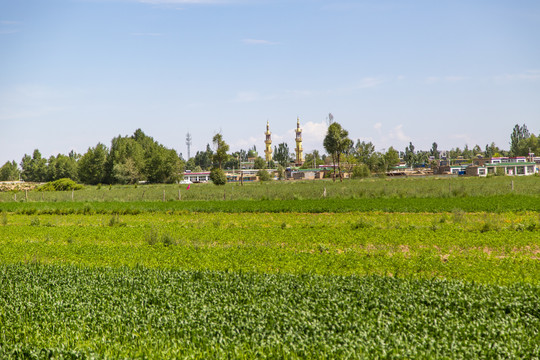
330, 119
188, 143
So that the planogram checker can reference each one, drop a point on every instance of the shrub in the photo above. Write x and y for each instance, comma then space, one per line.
152, 237
218, 177
167, 240
263, 175
60, 185
360, 172
281, 172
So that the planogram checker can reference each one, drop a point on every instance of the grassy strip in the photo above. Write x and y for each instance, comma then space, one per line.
469, 204
291, 190
487, 248
51, 311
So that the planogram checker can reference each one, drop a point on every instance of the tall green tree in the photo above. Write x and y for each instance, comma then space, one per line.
61, 167
391, 158
163, 165
410, 155
92, 165
435, 151
126, 161
491, 150
204, 158
336, 143
34, 168
259, 163
528, 145
9, 171
365, 153
221, 149
519, 133
282, 154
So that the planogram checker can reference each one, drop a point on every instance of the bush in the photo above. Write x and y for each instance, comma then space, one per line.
218, 177
281, 172
263, 175
60, 185
360, 172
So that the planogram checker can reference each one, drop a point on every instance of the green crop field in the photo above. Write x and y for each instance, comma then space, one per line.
377, 269
430, 187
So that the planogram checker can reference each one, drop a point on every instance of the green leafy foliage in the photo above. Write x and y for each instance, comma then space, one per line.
336, 277
360, 171
218, 176
263, 175
34, 168
222, 147
409, 205
67, 311
9, 171
481, 247
92, 165
60, 185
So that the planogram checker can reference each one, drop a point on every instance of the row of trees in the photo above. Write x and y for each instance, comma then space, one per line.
130, 159
360, 159
135, 158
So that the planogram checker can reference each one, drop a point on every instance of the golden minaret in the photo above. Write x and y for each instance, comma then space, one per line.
299, 150
268, 142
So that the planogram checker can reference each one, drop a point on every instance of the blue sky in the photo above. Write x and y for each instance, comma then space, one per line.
77, 72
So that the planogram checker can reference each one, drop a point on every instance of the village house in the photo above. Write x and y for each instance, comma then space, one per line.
520, 165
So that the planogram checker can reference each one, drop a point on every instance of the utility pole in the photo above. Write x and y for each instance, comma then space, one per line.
188, 143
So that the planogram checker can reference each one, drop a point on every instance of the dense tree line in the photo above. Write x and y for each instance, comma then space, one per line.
130, 159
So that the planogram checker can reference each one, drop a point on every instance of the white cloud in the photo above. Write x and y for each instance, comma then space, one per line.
313, 130
398, 134
298, 93
377, 126
29, 102
313, 134
466, 138
529, 75
445, 79
454, 79
369, 82
258, 42
7, 27
247, 143
365, 83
